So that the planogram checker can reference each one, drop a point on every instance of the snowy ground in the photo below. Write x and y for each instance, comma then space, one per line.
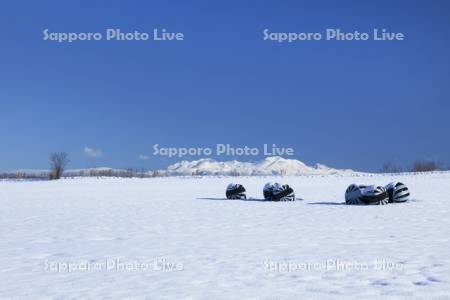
178, 238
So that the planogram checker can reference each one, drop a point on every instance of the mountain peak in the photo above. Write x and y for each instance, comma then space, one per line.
273, 165
274, 158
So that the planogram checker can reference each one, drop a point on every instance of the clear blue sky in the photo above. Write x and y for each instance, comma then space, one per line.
344, 104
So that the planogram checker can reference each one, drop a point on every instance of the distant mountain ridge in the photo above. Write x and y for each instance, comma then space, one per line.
274, 165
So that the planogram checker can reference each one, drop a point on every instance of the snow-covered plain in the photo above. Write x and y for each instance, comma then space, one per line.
179, 238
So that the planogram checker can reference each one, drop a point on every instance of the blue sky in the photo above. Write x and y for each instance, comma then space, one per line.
352, 104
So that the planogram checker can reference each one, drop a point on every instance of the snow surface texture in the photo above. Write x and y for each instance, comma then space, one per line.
182, 239
273, 165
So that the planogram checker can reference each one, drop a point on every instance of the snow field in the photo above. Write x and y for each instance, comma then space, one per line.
168, 238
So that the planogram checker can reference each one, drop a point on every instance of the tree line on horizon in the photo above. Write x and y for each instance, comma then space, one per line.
60, 160
58, 165
417, 166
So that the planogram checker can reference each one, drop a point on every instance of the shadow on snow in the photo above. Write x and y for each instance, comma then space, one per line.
246, 200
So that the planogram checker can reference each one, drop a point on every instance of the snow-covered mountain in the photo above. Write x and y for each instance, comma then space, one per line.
274, 165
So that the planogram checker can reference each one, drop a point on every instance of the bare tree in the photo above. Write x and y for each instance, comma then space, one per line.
390, 167
58, 162
425, 166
